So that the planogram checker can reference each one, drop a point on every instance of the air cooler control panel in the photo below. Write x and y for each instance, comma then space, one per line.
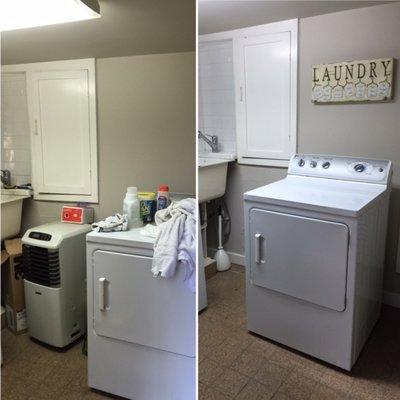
40, 236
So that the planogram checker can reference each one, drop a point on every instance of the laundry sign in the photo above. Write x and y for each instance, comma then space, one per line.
354, 81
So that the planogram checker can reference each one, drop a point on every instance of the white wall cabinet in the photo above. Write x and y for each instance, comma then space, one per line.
265, 81
266, 90
62, 113
61, 140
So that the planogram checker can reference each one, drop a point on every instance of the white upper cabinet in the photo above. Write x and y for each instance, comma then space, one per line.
266, 83
61, 138
265, 95
62, 104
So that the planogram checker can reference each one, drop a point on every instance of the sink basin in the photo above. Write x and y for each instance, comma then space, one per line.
212, 178
11, 211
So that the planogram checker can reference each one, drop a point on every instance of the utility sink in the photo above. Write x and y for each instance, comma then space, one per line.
212, 176
11, 211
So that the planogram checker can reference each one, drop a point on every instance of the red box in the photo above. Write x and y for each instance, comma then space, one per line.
77, 215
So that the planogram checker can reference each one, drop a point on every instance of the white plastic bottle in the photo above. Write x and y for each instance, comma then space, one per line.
131, 208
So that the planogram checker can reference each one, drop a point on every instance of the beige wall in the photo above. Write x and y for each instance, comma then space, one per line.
146, 130
366, 130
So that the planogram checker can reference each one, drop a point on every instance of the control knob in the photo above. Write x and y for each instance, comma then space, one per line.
359, 168
313, 164
326, 165
301, 162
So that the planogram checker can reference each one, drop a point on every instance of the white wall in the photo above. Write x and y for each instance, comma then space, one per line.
146, 131
364, 130
225, 15
15, 139
216, 95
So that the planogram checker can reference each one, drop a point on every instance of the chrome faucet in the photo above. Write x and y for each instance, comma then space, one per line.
213, 143
6, 177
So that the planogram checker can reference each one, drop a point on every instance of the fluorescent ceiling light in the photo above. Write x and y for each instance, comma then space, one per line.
18, 14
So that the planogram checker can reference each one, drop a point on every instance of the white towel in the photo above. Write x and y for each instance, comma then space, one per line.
114, 223
176, 241
150, 230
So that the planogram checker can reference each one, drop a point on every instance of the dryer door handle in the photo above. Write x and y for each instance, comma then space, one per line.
257, 248
103, 285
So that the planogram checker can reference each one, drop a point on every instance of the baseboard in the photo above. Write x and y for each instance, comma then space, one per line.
236, 258
391, 299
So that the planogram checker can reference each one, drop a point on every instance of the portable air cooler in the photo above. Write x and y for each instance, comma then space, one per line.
55, 282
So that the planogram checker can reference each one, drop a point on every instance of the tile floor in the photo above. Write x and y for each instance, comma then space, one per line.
237, 365
233, 363
33, 372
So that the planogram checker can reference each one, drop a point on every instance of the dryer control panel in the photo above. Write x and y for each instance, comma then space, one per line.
341, 168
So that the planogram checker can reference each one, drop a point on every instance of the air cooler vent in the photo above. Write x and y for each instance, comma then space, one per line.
41, 265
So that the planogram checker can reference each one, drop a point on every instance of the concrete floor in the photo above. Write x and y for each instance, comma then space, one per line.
237, 365
31, 371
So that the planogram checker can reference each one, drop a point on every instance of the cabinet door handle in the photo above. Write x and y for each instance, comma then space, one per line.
102, 294
257, 248
36, 128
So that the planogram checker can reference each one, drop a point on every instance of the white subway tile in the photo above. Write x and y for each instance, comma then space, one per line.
216, 94
9, 156
18, 168
10, 166
20, 179
16, 142
17, 155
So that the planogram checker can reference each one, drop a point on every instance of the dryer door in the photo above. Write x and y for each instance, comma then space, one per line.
132, 305
300, 257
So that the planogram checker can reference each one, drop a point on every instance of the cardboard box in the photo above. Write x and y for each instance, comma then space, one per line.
14, 288
16, 320
4, 270
4, 256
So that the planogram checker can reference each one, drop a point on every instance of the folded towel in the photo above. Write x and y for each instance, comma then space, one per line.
115, 223
176, 241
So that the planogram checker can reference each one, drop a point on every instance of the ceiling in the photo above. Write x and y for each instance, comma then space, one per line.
216, 16
126, 27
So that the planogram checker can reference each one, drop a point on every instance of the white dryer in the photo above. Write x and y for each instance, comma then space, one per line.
315, 245
141, 329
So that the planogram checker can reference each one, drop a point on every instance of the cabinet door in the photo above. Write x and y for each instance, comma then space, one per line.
266, 105
61, 132
300, 257
132, 305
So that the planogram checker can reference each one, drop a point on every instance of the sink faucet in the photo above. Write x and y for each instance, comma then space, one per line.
6, 177
213, 143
